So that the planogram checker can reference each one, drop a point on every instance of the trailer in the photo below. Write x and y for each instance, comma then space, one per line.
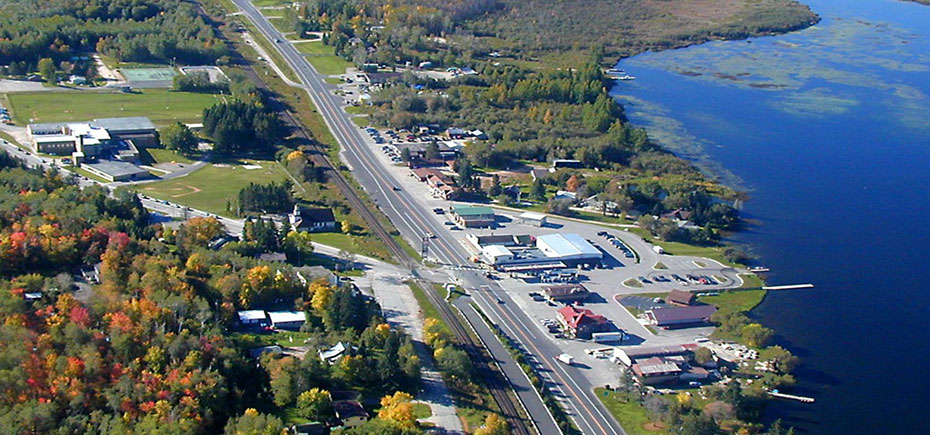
565, 359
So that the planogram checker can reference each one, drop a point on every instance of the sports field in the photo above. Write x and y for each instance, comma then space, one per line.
162, 109
148, 74
210, 187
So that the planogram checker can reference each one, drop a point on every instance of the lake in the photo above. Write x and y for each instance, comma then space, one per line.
828, 129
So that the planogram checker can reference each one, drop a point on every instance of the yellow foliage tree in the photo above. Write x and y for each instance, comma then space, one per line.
494, 425
294, 155
397, 408
321, 293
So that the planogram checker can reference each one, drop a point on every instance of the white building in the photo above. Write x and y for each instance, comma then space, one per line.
531, 218
496, 254
568, 248
287, 319
251, 317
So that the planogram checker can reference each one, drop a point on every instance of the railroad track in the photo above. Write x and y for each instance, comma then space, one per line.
484, 366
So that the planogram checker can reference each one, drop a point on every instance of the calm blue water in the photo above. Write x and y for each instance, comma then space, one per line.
829, 130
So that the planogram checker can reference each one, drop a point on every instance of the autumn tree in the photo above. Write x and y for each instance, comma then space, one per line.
252, 422
494, 425
315, 404
397, 408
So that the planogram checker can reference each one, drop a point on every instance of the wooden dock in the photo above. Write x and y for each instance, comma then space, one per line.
775, 393
788, 287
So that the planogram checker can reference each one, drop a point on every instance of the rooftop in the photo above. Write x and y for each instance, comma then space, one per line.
251, 315
472, 210
349, 408
565, 245
115, 168
286, 316
125, 123
694, 313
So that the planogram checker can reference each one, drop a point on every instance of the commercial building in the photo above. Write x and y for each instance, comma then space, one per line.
581, 323
496, 254
287, 319
91, 138
568, 248
656, 371
629, 356
115, 170
470, 216
680, 317
680, 298
530, 218
566, 294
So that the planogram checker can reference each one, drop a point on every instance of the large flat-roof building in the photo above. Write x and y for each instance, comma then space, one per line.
471, 216
115, 170
568, 248
91, 138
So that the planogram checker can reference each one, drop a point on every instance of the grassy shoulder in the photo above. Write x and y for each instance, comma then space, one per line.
323, 57
630, 414
213, 186
735, 300
472, 406
160, 105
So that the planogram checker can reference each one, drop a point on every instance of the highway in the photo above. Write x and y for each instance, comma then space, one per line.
414, 221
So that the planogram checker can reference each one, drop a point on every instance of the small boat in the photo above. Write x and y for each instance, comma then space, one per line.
614, 71
626, 77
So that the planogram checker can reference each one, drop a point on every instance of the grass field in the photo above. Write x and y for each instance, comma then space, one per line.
323, 58
631, 415
421, 410
29, 107
161, 155
210, 187
675, 248
733, 301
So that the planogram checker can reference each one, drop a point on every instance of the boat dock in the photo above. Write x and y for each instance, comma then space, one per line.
775, 393
788, 287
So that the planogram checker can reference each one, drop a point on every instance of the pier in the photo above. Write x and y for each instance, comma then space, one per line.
775, 393
788, 287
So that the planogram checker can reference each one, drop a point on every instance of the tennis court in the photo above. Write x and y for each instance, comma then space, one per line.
148, 74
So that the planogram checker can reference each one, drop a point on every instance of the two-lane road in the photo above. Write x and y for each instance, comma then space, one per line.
415, 222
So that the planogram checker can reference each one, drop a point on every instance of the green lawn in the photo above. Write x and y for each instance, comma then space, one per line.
210, 187
323, 58
5, 136
291, 415
332, 80
161, 155
732, 301
675, 248
630, 414
80, 171
361, 121
87, 105
421, 410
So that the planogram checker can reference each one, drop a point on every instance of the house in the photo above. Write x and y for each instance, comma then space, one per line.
470, 216
680, 298
257, 352
531, 218
678, 215
314, 220
566, 294
273, 257
312, 428
287, 319
350, 413
680, 317
564, 194
581, 323
308, 274
455, 133
251, 317
77, 80
333, 354
539, 174
566, 163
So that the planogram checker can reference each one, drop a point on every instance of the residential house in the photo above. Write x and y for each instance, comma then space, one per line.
581, 323
350, 413
333, 354
310, 219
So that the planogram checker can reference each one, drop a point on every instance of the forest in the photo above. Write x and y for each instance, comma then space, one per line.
147, 31
154, 347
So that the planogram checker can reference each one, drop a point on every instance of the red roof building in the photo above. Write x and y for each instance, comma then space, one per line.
581, 323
